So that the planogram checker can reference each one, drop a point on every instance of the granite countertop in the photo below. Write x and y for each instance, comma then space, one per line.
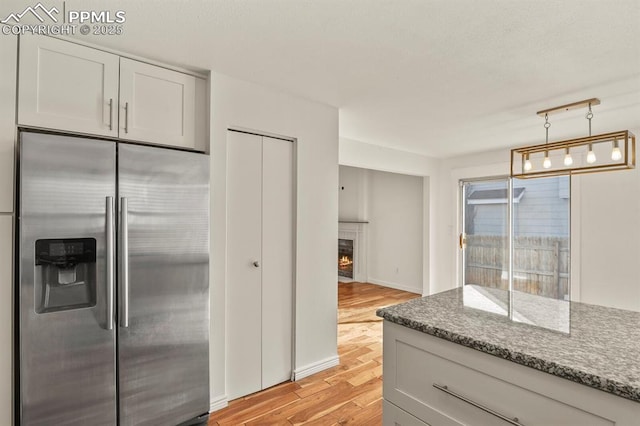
588, 344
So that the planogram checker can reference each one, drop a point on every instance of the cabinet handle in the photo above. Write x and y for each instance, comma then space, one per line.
514, 421
110, 114
126, 117
256, 264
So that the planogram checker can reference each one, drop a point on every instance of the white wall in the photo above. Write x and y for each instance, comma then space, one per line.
8, 66
367, 156
395, 230
240, 104
352, 193
609, 227
6, 316
605, 229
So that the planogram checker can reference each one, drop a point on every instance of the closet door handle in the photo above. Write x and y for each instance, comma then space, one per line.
514, 421
256, 264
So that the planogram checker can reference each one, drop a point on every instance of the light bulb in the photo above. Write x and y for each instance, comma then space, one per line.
567, 159
591, 156
547, 161
615, 152
527, 163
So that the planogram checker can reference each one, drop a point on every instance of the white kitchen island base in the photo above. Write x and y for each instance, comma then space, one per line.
415, 361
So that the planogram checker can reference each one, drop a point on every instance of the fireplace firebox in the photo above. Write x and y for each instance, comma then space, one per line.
345, 258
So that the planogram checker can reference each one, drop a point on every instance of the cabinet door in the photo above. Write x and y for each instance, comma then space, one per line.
156, 105
66, 86
8, 67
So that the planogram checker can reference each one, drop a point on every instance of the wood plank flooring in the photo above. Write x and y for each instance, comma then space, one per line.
350, 393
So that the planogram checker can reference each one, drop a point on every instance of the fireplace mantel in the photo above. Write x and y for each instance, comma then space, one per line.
356, 231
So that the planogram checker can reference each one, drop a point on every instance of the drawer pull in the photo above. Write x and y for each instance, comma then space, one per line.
446, 390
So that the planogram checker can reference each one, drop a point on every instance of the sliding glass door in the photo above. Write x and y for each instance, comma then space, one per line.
484, 241
525, 240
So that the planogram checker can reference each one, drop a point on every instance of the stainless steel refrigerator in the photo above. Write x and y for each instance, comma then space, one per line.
112, 285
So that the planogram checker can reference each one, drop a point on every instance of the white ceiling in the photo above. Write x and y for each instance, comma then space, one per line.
439, 78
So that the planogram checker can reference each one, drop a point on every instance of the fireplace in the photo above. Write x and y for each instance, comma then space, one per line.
352, 251
345, 258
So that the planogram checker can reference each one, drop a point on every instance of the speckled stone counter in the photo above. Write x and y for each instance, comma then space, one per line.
595, 346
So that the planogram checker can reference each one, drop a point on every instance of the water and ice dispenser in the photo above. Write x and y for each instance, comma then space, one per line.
65, 274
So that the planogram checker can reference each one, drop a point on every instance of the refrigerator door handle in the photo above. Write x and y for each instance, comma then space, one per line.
111, 267
124, 262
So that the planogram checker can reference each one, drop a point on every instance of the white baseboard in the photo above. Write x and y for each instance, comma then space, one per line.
222, 401
395, 285
316, 367
218, 403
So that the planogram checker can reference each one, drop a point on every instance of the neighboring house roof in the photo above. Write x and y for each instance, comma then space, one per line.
494, 196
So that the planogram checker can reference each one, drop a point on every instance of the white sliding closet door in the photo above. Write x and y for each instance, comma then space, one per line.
244, 288
259, 262
277, 260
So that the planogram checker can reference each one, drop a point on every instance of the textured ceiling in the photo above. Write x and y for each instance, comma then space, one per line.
440, 78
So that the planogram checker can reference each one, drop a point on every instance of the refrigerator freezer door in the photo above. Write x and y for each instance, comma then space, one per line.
163, 340
67, 338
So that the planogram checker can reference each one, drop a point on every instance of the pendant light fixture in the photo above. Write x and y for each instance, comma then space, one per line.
599, 153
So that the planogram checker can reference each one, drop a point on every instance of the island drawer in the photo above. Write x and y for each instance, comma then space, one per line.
396, 416
442, 391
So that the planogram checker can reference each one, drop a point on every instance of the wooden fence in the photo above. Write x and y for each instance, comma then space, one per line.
541, 264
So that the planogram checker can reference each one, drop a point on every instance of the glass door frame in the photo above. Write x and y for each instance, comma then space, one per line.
573, 286
462, 195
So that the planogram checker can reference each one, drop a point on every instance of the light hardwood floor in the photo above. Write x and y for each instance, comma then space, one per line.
350, 393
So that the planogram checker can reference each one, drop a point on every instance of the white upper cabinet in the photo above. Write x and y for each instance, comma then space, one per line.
70, 87
156, 104
67, 86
